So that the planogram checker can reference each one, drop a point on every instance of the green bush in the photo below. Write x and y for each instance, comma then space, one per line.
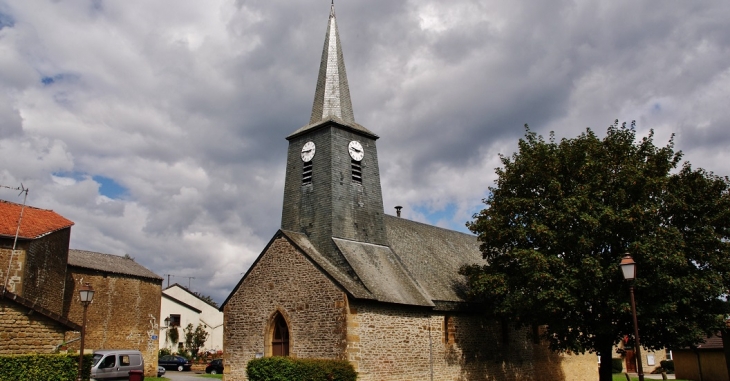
164, 352
667, 365
43, 367
285, 368
617, 365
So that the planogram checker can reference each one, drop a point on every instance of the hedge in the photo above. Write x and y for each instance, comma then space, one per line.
43, 367
286, 368
617, 365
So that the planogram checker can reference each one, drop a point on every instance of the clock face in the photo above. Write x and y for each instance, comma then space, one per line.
356, 151
308, 151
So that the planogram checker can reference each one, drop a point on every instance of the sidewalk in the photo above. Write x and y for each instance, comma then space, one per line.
653, 376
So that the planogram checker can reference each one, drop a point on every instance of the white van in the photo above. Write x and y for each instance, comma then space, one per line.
115, 364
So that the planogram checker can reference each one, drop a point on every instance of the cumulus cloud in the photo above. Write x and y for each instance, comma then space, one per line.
182, 107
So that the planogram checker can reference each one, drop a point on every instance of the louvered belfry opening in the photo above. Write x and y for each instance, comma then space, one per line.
356, 171
307, 173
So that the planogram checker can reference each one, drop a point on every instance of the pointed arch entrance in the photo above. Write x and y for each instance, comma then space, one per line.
278, 337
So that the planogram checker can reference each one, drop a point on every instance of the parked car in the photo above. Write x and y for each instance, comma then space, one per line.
115, 364
215, 367
160, 371
174, 362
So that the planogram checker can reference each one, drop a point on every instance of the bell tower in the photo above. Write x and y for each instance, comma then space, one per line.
332, 185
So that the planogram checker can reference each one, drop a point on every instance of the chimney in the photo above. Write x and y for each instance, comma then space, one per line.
397, 210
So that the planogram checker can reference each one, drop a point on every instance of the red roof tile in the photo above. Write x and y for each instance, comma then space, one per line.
36, 222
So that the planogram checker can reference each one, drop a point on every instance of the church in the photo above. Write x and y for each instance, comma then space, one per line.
343, 280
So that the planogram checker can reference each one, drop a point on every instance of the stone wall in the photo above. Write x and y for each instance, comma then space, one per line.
45, 270
284, 281
13, 279
125, 312
38, 272
389, 342
21, 332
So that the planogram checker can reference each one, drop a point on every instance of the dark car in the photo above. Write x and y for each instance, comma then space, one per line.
174, 362
215, 367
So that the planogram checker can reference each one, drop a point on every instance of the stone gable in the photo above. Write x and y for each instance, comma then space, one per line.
283, 280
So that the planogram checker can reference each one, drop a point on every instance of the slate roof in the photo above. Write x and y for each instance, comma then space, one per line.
419, 267
109, 263
433, 255
35, 223
332, 101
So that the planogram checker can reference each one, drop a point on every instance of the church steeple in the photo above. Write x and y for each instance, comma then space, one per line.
332, 186
332, 96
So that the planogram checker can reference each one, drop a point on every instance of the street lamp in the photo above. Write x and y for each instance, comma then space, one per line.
86, 295
628, 267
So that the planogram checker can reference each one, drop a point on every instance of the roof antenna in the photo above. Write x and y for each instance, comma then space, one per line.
22, 190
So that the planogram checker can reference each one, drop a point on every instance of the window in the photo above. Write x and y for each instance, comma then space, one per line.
307, 173
174, 320
124, 360
356, 171
449, 330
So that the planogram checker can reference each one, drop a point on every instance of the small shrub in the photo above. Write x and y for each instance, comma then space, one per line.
164, 352
617, 365
285, 368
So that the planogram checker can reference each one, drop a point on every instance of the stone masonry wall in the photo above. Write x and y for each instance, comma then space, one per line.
283, 280
388, 342
45, 270
21, 332
14, 279
125, 313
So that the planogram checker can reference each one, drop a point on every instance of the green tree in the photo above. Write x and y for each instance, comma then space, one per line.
206, 298
195, 338
561, 216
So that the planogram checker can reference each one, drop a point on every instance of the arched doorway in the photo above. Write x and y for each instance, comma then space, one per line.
280, 337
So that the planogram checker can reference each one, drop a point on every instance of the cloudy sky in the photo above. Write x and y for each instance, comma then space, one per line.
158, 126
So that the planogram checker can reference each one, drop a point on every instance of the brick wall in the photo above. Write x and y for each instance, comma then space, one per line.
125, 312
283, 280
21, 332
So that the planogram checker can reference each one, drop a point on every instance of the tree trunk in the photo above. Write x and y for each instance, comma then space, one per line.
605, 370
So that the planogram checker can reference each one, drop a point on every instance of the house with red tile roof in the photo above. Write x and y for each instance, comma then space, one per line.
39, 298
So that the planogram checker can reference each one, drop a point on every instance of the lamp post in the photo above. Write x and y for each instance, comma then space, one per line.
628, 267
86, 295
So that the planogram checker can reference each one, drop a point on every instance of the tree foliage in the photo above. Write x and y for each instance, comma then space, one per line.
195, 338
561, 216
206, 298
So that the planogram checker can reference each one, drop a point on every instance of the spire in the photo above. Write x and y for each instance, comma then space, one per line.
332, 97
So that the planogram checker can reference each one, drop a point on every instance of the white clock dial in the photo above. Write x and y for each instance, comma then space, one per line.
308, 151
356, 151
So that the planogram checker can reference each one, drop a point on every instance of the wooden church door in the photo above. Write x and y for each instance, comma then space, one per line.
280, 339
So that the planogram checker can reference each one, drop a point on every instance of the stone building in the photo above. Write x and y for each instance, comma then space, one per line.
343, 280
40, 308
33, 279
125, 313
